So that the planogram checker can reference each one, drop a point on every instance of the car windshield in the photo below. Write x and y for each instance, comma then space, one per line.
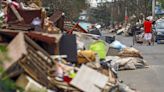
160, 25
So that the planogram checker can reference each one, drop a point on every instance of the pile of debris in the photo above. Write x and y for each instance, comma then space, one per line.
125, 58
29, 61
45, 55
69, 69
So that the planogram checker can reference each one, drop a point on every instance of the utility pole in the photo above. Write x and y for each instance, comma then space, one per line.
153, 8
126, 15
112, 10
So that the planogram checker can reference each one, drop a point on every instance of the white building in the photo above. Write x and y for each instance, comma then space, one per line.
93, 3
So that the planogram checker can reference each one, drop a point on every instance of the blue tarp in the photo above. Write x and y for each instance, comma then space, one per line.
85, 25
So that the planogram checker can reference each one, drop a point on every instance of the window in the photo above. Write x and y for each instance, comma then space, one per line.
160, 25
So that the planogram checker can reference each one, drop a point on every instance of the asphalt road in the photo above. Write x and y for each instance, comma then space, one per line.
148, 79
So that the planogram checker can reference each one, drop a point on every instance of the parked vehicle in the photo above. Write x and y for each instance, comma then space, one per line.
159, 30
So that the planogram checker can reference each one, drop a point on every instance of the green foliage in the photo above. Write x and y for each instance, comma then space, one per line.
71, 8
3, 54
101, 14
6, 85
162, 3
3, 49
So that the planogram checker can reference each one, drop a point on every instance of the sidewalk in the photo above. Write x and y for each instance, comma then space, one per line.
150, 79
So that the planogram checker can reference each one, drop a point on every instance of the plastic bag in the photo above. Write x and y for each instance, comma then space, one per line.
100, 48
117, 45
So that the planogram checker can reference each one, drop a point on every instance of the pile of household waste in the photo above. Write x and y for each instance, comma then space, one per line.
46, 56
129, 30
81, 59
123, 30
125, 58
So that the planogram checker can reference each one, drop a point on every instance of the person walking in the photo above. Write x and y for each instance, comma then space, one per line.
148, 31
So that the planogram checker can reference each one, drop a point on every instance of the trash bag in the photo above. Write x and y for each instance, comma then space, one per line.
86, 56
117, 45
100, 48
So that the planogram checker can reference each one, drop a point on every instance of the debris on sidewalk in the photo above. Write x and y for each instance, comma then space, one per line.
128, 63
26, 59
95, 83
49, 72
53, 70
29, 55
85, 56
117, 45
99, 47
130, 52
29, 84
47, 55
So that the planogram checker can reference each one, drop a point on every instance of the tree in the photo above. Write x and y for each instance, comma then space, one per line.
100, 14
133, 7
71, 8
162, 3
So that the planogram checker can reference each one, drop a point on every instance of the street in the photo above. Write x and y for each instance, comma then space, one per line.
147, 79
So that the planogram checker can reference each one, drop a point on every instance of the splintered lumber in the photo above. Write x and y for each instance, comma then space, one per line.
29, 85
34, 71
95, 81
31, 58
16, 12
35, 47
17, 70
16, 49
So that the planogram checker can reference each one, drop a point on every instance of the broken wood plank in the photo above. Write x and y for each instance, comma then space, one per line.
16, 49
16, 13
35, 46
95, 81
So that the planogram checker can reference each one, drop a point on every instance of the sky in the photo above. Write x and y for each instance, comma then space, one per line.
94, 2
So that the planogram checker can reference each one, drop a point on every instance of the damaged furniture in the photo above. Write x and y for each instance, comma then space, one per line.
27, 18
48, 42
31, 58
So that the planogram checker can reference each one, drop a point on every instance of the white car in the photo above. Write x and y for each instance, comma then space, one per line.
159, 30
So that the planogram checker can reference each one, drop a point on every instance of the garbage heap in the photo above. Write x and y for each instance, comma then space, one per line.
46, 56
75, 65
